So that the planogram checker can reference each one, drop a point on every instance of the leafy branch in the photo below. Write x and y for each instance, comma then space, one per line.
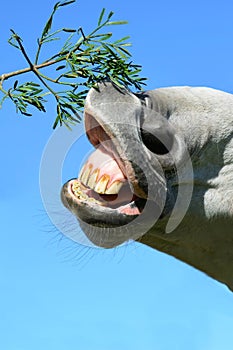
82, 61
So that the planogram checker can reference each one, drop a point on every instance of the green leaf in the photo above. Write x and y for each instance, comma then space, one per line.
113, 23
26, 114
15, 84
56, 122
70, 107
70, 75
48, 26
67, 30
110, 15
49, 40
107, 48
124, 50
13, 40
13, 44
61, 67
64, 3
32, 84
116, 82
77, 119
101, 17
105, 36
122, 39
134, 72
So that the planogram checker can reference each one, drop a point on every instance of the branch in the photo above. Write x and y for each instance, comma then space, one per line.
91, 59
6, 76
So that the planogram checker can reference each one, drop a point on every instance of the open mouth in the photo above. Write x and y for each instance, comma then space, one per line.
120, 190
103, 181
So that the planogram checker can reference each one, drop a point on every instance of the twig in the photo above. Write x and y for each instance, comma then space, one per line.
6, 76
32, 67
86, 62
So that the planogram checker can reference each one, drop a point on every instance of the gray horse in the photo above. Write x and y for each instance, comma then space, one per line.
161, 174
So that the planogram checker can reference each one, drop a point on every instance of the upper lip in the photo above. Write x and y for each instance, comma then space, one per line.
97, 134
113, 119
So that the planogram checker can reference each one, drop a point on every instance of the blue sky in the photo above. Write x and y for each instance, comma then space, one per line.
57, 295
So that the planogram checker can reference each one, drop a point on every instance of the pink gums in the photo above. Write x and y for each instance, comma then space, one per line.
104, 162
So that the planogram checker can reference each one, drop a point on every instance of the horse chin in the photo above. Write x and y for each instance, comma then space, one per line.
108, 223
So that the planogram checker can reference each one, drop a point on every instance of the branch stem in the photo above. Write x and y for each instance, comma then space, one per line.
26, 70
33, 68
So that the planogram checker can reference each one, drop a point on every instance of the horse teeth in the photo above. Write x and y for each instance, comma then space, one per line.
101, 185
85, 172
114, 188
93, 178
89, 178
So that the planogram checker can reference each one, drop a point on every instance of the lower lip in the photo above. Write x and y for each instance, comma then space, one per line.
84, 194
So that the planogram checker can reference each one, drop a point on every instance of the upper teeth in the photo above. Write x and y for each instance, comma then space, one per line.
85, 174
91, 181
101, 185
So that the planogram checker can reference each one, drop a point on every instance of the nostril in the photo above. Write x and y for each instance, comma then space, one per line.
160, 146
156, 133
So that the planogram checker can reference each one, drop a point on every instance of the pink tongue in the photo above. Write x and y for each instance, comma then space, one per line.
106, 164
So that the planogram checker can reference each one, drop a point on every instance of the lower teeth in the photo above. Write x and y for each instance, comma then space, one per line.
80, 194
